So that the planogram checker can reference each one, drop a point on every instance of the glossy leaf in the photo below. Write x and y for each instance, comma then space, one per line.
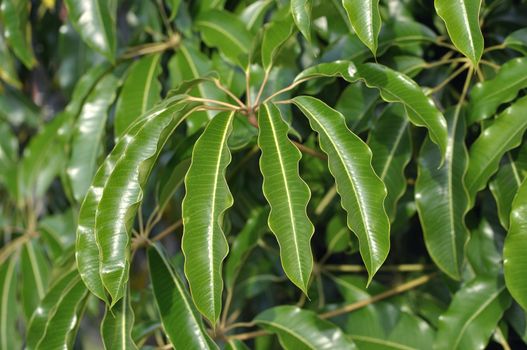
391, 146
504, 134
116, 327
206, 200
442, 200
287, 194
35, 276
225, 31
94, 20
88, 134
275, 35
517, 40
8, 305
462, 22
181, 321
301, 11
253, 15
141, 91
473, 315
514, 256
362, 192
14, 14
365, 19
301, 329
8, 160
394, 87
123, 192
486, 97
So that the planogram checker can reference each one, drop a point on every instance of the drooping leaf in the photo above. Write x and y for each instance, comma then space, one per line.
8, 306
517, 40
253, 15
441, 198
173, 183
486, 97
462, 23
141, 91
174, 7
35, 276
394, 87
287, 194
504, 134
362, 192
299, 329
357, 103
225, 31
514, 256
274, 36
365, 19
116, 326
391, 146
7, 66
123, 192
58, 233
8, 160
483, 253
301, 11
94, 20
473, 314
88, 135
206, 200
14, 14
181, 321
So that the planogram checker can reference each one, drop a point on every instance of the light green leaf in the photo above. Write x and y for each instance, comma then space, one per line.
87, 138
7, 66
462, 23
275, 35
301, 11
225, 31
8, 160
253, 15
287, 194
174, 7
299, 329
116, 326
517, 40
441, 198
14, 15
391, 145
58, 233
504, 134
206, 200
8, 305
35, 275
123, 192
473, 315
141, 91
181, 321
514, 255
362, 192
486, 97
365, 19
394, 87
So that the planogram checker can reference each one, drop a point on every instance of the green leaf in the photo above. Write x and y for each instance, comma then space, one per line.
391, 145
8, 160
87, 138
287, 194
394, 87
244, 243
507, 181
35, 275
225, 31
362, 192
275, 35
486, 97
172, 184
116, 327
7, 66
441, 198
514, 256
473, 315
141, 91
54, 323
94, 20
517, 40
206, 200
301, 11
181, 321
299, 329
462, 23
123, 192
504, 134
14, 14
365, 19
8, 305
254, 14
174, 7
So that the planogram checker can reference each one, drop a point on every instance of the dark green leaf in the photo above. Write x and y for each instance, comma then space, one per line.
365, 19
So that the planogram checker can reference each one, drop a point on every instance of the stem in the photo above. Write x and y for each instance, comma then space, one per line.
223, 88
386, 268
12, 246
248, 86
164, 17
287, 88
262, 87
501, 46
228, 301
490, 64
448, 80
170, 229
326, 200
208, 100
310, 151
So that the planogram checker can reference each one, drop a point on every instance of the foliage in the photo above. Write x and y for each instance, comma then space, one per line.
298, 174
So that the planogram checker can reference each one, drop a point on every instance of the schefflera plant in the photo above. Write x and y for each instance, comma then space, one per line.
104, 240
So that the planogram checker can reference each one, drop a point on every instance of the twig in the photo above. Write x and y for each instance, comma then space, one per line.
208, 100
385, 268
13, 245
448, 80
223, 88
310, 151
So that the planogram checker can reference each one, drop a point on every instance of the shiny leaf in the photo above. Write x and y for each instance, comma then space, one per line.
14, 15
116, 327
35, 276
8, 306
301, 11
365, 19
274, 36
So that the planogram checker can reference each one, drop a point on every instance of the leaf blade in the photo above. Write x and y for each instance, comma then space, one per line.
365, 19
